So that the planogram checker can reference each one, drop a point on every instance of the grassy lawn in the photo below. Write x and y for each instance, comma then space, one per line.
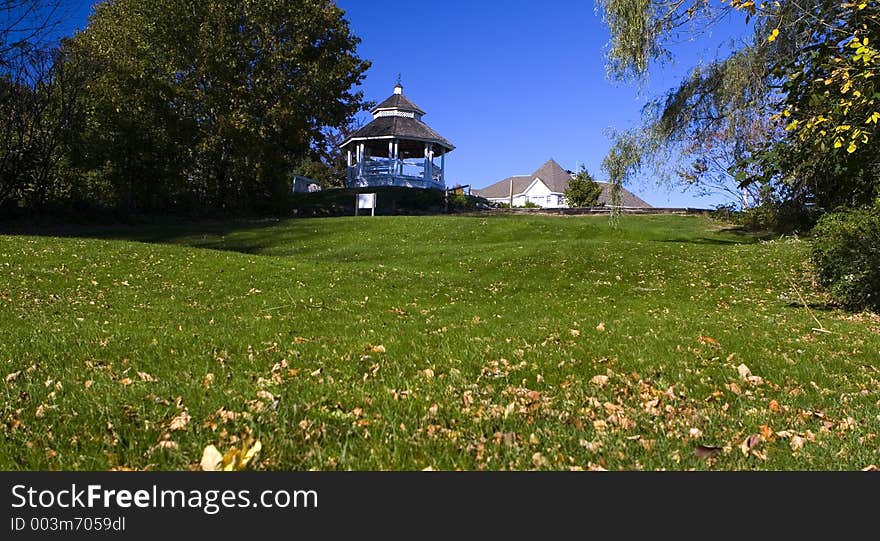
445, 342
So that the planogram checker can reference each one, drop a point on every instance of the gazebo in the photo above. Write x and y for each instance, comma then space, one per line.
396, 148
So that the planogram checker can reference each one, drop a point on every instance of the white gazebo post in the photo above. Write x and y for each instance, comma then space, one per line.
391, 160
427, 168
361, 158
443, 169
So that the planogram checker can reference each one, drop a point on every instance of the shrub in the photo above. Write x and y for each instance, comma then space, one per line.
583, 190
846, 257
530, 205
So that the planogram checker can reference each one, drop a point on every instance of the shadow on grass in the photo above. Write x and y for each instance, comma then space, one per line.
746, 239
249, 236
817, 306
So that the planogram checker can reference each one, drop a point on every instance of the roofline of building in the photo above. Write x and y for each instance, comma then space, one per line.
449, 148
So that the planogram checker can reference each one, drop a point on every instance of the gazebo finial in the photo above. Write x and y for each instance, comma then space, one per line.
398, 88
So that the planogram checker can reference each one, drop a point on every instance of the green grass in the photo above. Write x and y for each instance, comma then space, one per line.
492, 344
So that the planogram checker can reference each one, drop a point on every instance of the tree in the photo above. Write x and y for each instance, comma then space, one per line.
583, 190
38, 104
214, 103
790, 112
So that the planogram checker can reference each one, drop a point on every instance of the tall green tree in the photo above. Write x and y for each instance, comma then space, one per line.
583, 190
214, 103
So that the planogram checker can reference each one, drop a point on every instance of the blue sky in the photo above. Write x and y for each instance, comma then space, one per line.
511, 83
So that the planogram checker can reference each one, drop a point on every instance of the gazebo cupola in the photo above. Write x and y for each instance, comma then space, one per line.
396, 148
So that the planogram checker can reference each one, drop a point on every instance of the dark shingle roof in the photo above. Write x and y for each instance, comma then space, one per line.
553, 175
502, 188
400, 127
627, 198
556, 178
398, 101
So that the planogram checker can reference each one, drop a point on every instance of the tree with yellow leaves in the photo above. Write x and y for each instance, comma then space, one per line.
809, 83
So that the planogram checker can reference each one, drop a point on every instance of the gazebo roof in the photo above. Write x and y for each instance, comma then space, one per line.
397, 102
398, 127
398, 118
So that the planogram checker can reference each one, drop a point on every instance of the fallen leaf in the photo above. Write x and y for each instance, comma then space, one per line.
774, 406
145, 377
708, 340
600, 327
706, 451
126, 381
428, 373
11, 377
212, 460
695, 433
207, 381
750, 443
378, 349
167, 444
871, 467
265, 395
575, 332
180, 422
600, 380
796, 443
766, 432
539, 460
744, 371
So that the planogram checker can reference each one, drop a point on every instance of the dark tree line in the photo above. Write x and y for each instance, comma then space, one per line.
162, 104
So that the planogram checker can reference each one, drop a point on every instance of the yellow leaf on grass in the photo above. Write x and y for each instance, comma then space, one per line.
235, 459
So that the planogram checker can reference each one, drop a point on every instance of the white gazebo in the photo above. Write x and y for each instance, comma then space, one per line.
396, 148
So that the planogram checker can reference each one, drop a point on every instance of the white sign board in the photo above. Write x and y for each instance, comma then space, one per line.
366, 201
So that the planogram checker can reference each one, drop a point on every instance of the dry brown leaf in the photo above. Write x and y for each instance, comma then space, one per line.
378, 349
167, 444
126, 381
265, 395
766, 432
599, 380
796, 443
11, 377
870, 467
145, 377
750, 443
774, 406
708, 340
744, 372
706, 451
600, 327
180, 422
575, 332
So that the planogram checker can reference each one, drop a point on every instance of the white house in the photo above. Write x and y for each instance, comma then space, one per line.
546, 187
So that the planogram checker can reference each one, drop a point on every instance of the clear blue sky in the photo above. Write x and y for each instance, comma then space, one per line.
510, 83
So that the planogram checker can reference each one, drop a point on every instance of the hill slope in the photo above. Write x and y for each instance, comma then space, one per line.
444, 342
